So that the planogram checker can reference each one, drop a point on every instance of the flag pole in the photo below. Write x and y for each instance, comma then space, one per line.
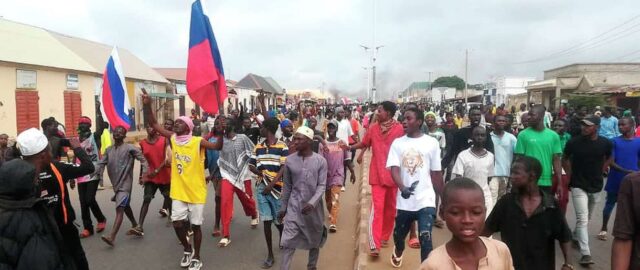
215, 93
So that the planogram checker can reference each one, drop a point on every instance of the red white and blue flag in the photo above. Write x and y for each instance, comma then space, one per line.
205, 76
114, 98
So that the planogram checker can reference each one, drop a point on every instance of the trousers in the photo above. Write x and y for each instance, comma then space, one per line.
383, 214
583, 203
332, 198
88, 204
226, 203
425, 217
287, 257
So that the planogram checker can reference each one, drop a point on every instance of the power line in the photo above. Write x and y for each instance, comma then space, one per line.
586, 43
624, 56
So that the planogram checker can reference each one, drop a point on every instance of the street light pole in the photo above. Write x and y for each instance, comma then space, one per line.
466, 64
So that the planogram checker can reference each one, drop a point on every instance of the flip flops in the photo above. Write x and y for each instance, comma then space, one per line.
414, 243
396, 261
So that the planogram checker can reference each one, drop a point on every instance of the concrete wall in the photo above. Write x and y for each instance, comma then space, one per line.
51, 84
600, 74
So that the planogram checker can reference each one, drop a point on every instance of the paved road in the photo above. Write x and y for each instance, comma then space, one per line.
159, 249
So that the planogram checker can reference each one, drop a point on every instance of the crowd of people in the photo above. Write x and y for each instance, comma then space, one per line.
479, 171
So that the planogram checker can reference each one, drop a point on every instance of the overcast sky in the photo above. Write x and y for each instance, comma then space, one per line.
303, 44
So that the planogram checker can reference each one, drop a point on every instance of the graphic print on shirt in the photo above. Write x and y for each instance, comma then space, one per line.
412, 161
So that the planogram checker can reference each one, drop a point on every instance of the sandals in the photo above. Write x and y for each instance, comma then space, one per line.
137, 231
101, 225
602, 235
224, 242
268, 263
414, 243
86, 233
374, 253
107, 240
396, 261
216, 233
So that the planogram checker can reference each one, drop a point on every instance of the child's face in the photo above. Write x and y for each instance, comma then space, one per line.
519, 176
464, 214
332, 130
479, 136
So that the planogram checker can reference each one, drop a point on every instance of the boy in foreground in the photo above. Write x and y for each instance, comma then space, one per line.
530, 220
119, 159
463, 210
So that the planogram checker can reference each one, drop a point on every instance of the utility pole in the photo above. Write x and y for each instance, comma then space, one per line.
368, 83
466, 64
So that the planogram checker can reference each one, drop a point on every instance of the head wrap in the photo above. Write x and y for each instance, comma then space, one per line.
183, 139
31, 142
307, 132
285, 123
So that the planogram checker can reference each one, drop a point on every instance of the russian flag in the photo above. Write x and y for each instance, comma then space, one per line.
115, 101
205, 76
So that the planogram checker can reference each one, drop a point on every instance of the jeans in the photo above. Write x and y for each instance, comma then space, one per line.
583, 203
425, 218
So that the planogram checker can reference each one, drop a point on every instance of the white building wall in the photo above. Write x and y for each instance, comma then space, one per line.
506, 86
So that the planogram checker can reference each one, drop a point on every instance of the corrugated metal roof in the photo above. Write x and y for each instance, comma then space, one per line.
177, 74
26, 44
611, 89
21, 43
253, 81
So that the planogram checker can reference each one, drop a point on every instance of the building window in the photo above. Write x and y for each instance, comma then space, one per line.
181, 89
26, 79
72, 81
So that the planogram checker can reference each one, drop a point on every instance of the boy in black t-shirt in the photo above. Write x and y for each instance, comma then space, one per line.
529, 220
585, 159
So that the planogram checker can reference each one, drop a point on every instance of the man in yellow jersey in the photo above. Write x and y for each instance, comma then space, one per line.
188, 184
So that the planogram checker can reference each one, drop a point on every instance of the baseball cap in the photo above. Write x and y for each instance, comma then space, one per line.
31, 142
591, 120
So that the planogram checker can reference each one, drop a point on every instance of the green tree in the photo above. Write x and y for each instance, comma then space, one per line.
449, 81
588, 101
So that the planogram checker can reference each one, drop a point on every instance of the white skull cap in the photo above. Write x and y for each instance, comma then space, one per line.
31, 141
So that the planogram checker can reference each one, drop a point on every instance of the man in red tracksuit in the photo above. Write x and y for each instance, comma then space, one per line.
379, 137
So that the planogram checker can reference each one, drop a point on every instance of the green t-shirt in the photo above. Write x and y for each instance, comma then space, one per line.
541, 145
564, 139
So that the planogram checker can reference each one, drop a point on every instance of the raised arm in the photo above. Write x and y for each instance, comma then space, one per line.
213, 146
150, 116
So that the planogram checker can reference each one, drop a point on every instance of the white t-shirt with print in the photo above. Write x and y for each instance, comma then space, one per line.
416, 157
478, 169
344, 130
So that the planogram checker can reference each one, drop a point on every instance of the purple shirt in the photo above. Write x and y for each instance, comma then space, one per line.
335, 157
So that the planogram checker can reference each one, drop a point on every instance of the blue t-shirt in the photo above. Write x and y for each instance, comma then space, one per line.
503, 151
626, 154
